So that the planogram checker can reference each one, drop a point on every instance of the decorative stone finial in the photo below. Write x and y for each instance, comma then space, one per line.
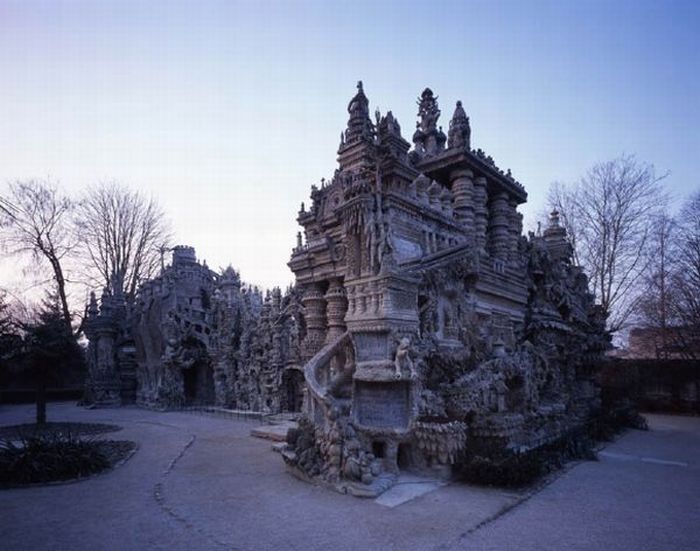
428, 111
427, 138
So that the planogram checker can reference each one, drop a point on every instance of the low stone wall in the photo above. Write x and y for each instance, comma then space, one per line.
653, 385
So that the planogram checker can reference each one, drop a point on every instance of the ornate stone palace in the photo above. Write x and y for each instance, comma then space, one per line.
423, 324
431, 323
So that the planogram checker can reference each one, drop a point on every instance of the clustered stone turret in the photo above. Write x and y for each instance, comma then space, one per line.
194, 337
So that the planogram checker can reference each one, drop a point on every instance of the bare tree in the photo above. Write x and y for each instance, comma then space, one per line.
35, 220
656, 305
609, 213
685, 282
122, 234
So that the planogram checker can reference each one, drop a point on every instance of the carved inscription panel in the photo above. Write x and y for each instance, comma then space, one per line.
371, 346
384, 405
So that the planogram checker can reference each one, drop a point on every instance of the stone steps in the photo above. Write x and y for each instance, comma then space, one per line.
276, 433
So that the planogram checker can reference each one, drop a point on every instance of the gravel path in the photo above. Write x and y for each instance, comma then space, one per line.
203, 483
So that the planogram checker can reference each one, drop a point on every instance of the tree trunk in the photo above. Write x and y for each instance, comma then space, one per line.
61, 286
41, 400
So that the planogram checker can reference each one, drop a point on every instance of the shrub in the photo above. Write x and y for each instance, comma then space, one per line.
49, 457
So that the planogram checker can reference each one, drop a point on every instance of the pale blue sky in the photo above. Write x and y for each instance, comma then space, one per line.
229, 111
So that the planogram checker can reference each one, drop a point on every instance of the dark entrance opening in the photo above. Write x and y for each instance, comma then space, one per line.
404, 457
292, 390
379, 449
197, 374
190, 380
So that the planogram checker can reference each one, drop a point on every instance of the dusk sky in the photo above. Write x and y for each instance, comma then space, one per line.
228, 112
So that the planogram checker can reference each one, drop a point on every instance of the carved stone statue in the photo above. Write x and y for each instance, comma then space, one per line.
402, 360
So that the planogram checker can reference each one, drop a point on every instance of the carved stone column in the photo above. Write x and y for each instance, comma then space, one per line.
463, 190
337, 306
315, 316
516, 229
499, 227
481, 213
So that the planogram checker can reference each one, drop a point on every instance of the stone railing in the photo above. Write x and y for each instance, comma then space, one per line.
317, 373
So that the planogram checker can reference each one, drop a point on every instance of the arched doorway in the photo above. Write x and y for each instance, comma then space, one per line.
197, 374
292, 390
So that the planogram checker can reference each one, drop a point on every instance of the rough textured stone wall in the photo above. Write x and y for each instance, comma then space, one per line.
195, 337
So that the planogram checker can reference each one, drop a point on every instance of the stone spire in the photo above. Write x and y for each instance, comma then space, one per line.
427, 138
459, 135
389, 126
359, 125
357, 143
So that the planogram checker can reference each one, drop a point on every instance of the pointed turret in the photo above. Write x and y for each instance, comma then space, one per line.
459, 135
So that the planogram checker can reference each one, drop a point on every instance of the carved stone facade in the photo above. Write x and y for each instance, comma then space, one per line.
430, 319
195, 337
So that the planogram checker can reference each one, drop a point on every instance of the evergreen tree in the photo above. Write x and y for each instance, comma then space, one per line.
51, 351
10, 341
